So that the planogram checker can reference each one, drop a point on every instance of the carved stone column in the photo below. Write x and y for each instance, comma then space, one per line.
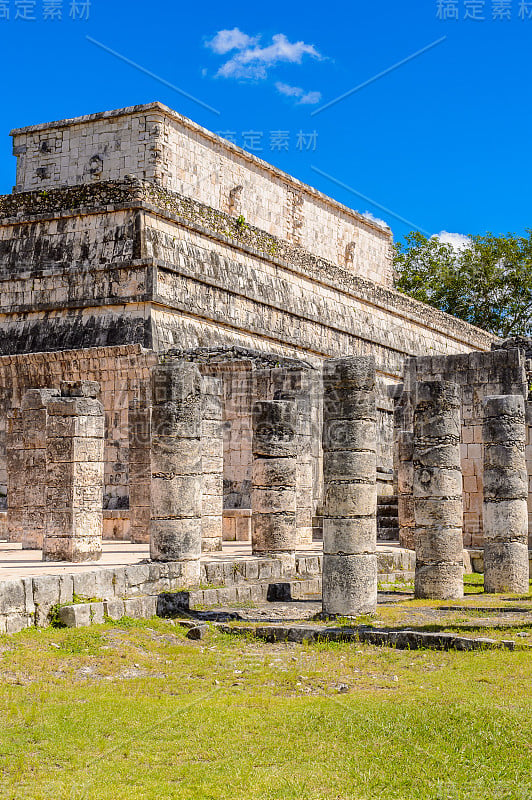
273, 490
505, 515
438, 505
349, 466
176, 464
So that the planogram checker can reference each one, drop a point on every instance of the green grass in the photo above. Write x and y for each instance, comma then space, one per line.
135, 711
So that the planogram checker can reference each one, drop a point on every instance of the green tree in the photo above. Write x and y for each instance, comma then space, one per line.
488, 282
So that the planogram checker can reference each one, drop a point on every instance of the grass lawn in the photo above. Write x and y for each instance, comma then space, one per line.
135, 711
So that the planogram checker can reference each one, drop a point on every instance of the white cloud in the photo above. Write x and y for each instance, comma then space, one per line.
254, 61
304, 98
226, 40
456, 240
310, 98
376, 221
289, 91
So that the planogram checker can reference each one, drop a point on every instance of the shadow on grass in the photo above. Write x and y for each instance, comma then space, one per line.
454, 627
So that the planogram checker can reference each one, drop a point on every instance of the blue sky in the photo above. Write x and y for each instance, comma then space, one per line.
439, 143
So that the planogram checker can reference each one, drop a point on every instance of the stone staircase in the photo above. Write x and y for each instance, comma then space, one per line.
317, 528
387, 519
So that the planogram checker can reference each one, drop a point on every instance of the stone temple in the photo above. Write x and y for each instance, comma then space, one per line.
160, 284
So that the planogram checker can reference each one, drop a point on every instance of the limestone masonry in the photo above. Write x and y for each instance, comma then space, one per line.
190, 294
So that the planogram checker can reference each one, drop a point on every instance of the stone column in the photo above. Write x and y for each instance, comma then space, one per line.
405, 487
302, 385
438, 505
26, 469
274, 477
75, 474
505, 516
139, 421
16, 458
212, 446
350, 477
176, 464
306, 447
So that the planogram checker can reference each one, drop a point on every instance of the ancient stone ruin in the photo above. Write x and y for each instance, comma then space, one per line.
350, 492
196, 348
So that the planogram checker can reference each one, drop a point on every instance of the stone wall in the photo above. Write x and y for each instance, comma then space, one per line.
157, 144
26, 602
67, 240
216, 284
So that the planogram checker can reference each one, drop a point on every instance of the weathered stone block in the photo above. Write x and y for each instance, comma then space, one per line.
274, 532
506, 567
506, 521
350, 499
177, 496
349, 585
171, 451
355, 535
77, 616
276, 500
443, 581
351, 465
270, 472
437, 481
114, 609
175, 539
274, 429
12, 597
340, 434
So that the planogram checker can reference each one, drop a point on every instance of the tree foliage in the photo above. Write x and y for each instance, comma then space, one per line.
488, 282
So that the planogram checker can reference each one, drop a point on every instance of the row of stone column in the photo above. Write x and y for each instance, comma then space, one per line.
349, 445
349, 467
55, 457
437, 493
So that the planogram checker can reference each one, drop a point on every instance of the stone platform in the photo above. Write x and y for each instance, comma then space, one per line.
31, 590
18, 563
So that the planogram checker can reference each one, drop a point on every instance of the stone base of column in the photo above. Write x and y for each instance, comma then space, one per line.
75, 549
175, 539
439, 581
349, 585
32, 541
506, 567
273, 532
